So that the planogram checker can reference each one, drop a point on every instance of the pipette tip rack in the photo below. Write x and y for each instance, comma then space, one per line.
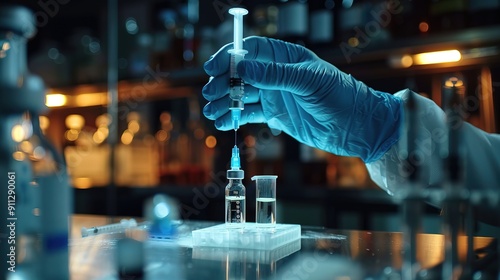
250, 236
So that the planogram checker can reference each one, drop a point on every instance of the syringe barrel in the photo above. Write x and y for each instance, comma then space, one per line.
236, 85
123, 225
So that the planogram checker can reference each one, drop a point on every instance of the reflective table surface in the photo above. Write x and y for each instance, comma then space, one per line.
320, 254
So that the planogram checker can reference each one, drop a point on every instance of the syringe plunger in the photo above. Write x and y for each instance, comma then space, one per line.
238, 14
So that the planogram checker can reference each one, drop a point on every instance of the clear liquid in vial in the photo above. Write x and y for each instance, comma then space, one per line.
266, 211
235, 211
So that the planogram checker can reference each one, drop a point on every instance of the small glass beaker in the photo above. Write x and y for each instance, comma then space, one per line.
265, 208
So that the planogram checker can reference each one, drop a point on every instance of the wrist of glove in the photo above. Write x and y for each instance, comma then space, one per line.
293, 90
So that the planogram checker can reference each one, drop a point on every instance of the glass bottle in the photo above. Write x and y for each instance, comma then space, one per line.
51, 178
235, 199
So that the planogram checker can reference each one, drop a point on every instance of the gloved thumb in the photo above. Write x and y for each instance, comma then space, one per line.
274, 76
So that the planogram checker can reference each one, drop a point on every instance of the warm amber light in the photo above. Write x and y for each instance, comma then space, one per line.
437, 57
74, 121
5, 46
91, 99
127, 137
133, 126
82, 183
98, 137
102, 120
3, 49
71, 135
406, 61
104, 130
18, 133
44, 122
19, 156
165, 117
250, 141
162, 135
26, 147
353, 42
423, 26
400, 61
133, 116
453, 82
55, 100
211, 141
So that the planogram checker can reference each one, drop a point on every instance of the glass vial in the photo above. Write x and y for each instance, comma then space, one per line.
235, 199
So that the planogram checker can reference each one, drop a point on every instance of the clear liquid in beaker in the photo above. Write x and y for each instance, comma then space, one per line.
266, 211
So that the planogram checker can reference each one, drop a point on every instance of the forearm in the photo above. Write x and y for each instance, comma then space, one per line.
482, 155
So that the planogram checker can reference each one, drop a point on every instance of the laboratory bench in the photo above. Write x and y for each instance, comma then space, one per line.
321, 253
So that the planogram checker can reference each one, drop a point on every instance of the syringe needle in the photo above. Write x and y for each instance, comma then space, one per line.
235, 142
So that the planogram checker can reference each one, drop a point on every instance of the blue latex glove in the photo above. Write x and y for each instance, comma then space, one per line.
293, 90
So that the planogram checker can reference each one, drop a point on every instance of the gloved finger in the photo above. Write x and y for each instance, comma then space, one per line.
252, 114
268, 49
252, 94
216, 88
218, 63
217, 108
293, 77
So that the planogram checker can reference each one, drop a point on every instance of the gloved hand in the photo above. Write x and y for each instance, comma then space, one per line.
293, 90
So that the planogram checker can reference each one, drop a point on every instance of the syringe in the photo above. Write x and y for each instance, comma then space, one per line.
112, 228
236, 86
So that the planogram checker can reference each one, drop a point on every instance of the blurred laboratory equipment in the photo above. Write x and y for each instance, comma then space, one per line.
293, 21
137, 154
265, 200
321, 23
235, 193
236, 85
457, 202
111, 228
39, 195
162, 212
413, 195
163, 257
454, 199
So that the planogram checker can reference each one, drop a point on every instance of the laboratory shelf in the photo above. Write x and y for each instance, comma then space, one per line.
479, 47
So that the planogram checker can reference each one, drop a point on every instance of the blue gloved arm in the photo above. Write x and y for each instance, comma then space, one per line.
293, 90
